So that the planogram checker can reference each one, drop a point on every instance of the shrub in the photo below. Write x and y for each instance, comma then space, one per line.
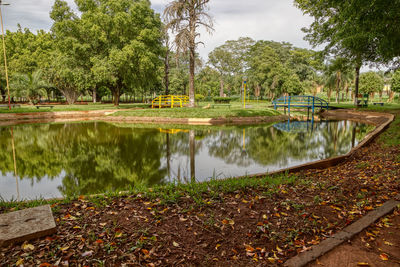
222, 100
199, 97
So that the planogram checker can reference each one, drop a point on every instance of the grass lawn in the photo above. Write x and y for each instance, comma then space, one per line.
236, 110
143, 110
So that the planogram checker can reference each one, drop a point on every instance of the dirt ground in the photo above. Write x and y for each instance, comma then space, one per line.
379, 245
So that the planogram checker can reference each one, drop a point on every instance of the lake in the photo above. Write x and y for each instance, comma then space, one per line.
65, 159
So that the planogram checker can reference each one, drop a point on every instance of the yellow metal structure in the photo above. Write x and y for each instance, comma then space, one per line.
170, 101
173, 131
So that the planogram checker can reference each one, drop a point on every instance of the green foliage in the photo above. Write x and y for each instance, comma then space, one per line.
231, 62
222, 99
199, 97
30, 86
395, 82
116, 44
371, 82
279, 68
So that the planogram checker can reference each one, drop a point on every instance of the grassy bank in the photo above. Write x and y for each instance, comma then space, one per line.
236, 110
144, 110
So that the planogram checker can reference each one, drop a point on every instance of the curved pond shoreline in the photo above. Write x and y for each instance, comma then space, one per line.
380, 120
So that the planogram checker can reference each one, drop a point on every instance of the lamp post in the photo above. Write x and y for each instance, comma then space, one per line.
4, 50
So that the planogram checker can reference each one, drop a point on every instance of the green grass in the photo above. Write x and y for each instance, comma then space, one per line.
30, 108
391, 137
201, 193
253, 109
236, 110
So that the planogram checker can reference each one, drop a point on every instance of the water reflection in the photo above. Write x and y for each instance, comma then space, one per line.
84, 158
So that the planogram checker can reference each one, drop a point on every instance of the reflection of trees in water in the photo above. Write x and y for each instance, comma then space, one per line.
94, 156
269, 146
34, 151
227, 144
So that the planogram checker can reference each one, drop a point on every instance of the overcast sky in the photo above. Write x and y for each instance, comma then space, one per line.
276, 20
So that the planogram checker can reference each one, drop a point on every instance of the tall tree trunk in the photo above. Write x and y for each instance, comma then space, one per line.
338, 81
221, 89
94, 95
192, 56
166, 70
357, 84
191, 76
116, 94
329, 93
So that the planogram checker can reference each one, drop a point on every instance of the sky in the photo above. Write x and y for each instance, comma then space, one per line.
276, 20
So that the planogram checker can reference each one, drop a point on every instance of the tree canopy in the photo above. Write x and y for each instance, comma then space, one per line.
371, 82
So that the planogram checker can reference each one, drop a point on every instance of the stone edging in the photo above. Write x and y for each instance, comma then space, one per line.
346, 234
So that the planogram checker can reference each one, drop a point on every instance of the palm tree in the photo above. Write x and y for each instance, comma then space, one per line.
30, 86
184, 17
338, 73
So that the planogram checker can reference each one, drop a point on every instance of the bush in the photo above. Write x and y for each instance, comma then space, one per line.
226, 100
199, 97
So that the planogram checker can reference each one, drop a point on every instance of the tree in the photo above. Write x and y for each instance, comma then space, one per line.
231, 61
221, 60
208, 81
371, 82
338, 73
116, 44
30, 85
274, 68
355, 30
395, 83
184, 17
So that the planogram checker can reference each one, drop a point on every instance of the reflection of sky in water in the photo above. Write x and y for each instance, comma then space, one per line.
46, 188
91, 158
207, 166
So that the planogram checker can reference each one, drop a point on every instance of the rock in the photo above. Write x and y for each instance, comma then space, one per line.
27, 224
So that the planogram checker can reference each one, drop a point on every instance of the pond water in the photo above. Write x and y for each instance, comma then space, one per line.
61, 159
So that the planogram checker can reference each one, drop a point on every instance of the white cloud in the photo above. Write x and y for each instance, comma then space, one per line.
276, 20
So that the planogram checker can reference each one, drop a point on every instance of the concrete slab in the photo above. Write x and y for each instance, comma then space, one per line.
27, 224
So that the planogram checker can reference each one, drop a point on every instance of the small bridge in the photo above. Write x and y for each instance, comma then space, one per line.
300, 101
170, 101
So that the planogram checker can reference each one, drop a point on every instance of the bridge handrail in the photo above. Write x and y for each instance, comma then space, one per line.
170, 100
301, 101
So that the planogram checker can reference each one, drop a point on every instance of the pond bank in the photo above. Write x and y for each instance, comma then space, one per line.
7, 119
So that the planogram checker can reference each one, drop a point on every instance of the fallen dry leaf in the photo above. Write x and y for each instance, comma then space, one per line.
28, 247
384, 257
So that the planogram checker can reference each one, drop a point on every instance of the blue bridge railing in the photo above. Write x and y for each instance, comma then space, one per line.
300, 101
